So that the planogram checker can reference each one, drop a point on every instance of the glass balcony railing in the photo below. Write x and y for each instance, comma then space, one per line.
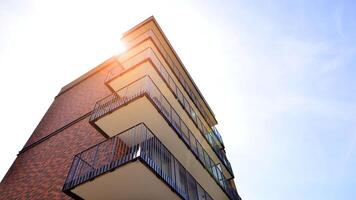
137, 142
146, 87
212, 135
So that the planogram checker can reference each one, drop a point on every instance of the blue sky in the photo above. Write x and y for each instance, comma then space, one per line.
295, 88
279, 75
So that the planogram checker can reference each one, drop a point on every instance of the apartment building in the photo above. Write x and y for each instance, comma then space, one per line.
134, 127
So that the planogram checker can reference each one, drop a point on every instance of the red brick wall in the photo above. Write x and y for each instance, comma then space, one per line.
40, 171
71, 104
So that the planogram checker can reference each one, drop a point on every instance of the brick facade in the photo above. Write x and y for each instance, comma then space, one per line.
41, 167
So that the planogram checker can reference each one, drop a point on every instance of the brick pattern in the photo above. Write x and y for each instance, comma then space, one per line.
40, 172
71, 105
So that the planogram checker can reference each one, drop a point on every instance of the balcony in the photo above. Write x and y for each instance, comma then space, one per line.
217, 135
211, 135
115, 111
155, 36
133, 164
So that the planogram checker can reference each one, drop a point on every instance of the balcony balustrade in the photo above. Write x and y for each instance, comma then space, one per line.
146, 87
157, 42
140, 143
212, 135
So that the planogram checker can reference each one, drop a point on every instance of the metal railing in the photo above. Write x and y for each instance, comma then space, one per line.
177, 73
145, 86
211, 135
137, 142
217, 134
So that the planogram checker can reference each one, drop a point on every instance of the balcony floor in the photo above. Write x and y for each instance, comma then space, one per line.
132, 181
